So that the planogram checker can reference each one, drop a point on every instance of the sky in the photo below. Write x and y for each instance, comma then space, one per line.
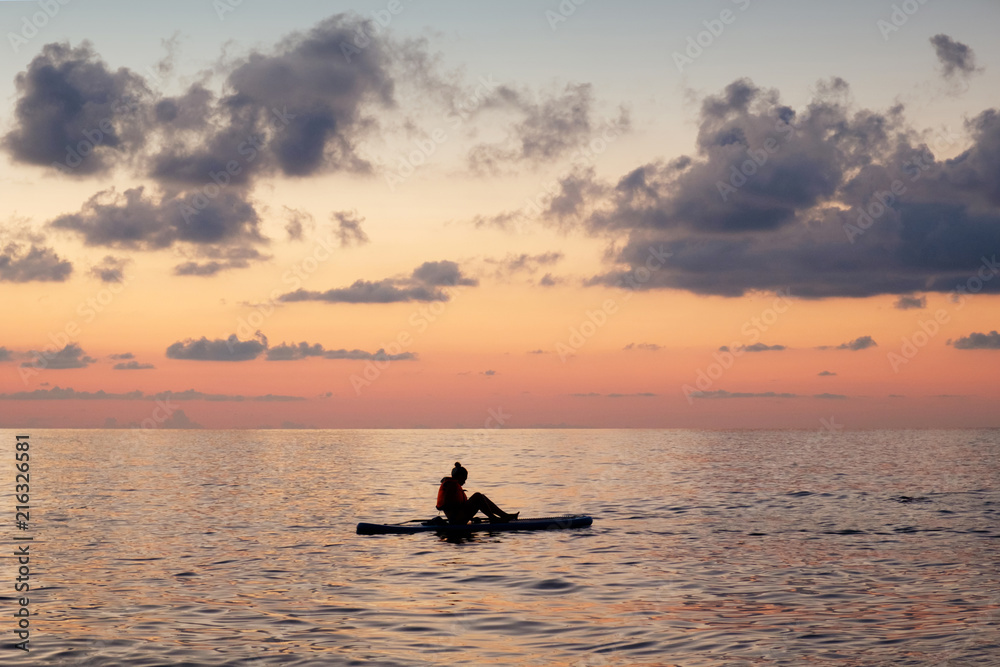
405, 214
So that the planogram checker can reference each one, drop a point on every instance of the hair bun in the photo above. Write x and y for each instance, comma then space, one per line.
457, 464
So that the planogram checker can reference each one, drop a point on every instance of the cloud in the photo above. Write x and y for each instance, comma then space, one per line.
722, 394
303, 100
761, 347
286, 352
5, 354
110, 269
133, 219
538, 351
75, 112
489, 373
230, 349
548, 280
71, 356
861, 343
178, 420
297, 220
955, 57
34, 263
826, 373
552, 125
978, 341
649, 347
777, 197
70, 394
238, 257
349, 228
523, 263
123, 355
132, 366
594, 394
424, 284
909, 302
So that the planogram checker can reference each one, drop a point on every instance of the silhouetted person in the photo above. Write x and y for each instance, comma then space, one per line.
452, 501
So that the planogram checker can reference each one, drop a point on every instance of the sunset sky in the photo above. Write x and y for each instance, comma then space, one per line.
404, 214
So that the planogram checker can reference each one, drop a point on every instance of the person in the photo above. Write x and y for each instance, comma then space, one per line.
452, 501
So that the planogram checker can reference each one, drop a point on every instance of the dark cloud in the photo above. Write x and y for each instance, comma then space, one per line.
74, 112
778, 197
19, 264
299, 108
826, 373
71, 356
861, 343
538, 351
286, 352
424, 284
230, 349
134, 219
978, 341
489, 373
110, 270
123, 355
132, 366
349, 228
955, 57
909, 302
5, 354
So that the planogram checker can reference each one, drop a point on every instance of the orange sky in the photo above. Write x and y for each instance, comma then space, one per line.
507, 346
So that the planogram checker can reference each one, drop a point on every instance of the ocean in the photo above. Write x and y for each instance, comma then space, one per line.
728, 548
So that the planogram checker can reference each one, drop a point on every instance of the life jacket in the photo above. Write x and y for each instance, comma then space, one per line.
450, 493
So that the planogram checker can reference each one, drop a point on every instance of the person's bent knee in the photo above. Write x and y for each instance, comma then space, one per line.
476, 495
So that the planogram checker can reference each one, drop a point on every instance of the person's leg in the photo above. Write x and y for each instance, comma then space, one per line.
483, 504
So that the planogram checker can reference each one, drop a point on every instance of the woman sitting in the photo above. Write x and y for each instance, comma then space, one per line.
452, 501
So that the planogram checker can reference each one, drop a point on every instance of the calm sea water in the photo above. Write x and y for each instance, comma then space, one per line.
708, 548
